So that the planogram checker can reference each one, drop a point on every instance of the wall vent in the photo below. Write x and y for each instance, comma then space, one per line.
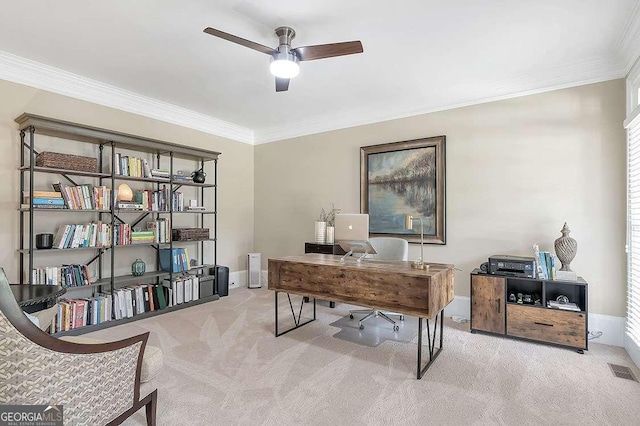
622, 372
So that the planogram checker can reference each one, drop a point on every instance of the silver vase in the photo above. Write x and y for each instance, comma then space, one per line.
566, 248
321, 232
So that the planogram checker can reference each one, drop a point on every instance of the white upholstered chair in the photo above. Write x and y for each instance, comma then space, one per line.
387, 248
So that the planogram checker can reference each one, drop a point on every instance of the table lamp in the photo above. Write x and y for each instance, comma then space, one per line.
408, 224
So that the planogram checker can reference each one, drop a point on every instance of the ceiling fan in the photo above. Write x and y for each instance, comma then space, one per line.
284, 60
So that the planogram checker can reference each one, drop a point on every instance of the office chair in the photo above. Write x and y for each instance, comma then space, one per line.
387, 248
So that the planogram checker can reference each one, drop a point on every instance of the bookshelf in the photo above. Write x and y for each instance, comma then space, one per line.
110, 144
499, 305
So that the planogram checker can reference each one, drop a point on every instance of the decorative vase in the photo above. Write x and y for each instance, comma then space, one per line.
330, 234
138, 268
566, 248
321, 232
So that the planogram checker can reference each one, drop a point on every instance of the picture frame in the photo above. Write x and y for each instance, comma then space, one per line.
405, 178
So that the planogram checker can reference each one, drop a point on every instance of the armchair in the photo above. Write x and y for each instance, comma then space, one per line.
387, 248
97, 384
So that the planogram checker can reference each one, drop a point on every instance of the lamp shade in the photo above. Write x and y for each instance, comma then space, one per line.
408, 221
124, 192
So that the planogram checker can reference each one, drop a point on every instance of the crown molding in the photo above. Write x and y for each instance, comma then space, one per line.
30, 73
40, 76
629, 43
587, 72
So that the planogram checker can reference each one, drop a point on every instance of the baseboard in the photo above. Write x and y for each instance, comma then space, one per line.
239, 279
460, 307
633, 349
612, 329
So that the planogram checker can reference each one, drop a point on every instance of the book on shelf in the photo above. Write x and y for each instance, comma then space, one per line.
131, 166
42, 194
94, 234
76, 313
86, 197
65, 275
38, 201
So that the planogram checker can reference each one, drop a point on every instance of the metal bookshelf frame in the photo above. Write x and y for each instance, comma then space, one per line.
30, 123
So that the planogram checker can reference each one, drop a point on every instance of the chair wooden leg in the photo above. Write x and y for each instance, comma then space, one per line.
151, 409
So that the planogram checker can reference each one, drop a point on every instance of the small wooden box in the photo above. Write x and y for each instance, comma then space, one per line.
57, 160
189, 234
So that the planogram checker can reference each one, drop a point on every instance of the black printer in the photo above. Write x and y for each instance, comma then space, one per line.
513, 266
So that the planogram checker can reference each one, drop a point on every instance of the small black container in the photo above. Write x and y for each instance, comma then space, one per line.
44, 241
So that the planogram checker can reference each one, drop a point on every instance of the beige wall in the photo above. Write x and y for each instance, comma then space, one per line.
516, 171
235, 175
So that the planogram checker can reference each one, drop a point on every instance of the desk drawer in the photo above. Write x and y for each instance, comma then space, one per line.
547, 325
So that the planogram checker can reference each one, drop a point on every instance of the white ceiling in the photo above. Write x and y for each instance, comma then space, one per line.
419, 56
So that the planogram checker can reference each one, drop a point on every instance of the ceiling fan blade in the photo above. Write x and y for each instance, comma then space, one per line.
321, 51
282, 84
240, 41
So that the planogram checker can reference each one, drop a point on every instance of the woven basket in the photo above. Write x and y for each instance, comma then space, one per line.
189, 234
57, 160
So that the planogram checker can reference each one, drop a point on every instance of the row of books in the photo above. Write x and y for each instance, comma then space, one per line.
138, 299
132, 166
182, 289
76, 313
160, 200
545, 264
98, 234
66, 275
141, 298
83, 235
177, 259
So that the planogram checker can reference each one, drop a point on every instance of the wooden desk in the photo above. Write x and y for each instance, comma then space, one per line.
378, 284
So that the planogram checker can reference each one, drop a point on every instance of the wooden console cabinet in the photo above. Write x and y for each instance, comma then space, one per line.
492, 312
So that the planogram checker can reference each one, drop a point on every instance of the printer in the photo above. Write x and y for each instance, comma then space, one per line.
514, 266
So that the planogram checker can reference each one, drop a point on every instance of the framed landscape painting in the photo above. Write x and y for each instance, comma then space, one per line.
403, 178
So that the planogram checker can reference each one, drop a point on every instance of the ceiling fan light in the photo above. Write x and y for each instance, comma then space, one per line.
284, 66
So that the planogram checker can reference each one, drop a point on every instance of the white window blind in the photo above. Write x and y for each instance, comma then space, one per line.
633, 215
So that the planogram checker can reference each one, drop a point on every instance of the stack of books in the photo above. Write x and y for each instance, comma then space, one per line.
160, 174
143, 237
45, 200
158, 201
545, 264
161, 229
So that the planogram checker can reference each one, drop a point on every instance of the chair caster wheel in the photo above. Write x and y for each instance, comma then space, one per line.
351, 316
361, 327
401, 317
396, 328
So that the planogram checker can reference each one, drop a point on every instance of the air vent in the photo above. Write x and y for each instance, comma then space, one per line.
622, 372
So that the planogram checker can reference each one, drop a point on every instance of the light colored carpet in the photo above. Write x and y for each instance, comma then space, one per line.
224, 366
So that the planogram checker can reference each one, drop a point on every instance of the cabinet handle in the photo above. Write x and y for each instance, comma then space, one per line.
498, 302
545, 324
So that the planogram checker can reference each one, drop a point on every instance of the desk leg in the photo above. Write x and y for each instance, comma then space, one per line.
433, 353
297, 319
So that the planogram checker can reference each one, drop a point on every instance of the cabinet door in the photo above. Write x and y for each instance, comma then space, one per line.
487, 303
